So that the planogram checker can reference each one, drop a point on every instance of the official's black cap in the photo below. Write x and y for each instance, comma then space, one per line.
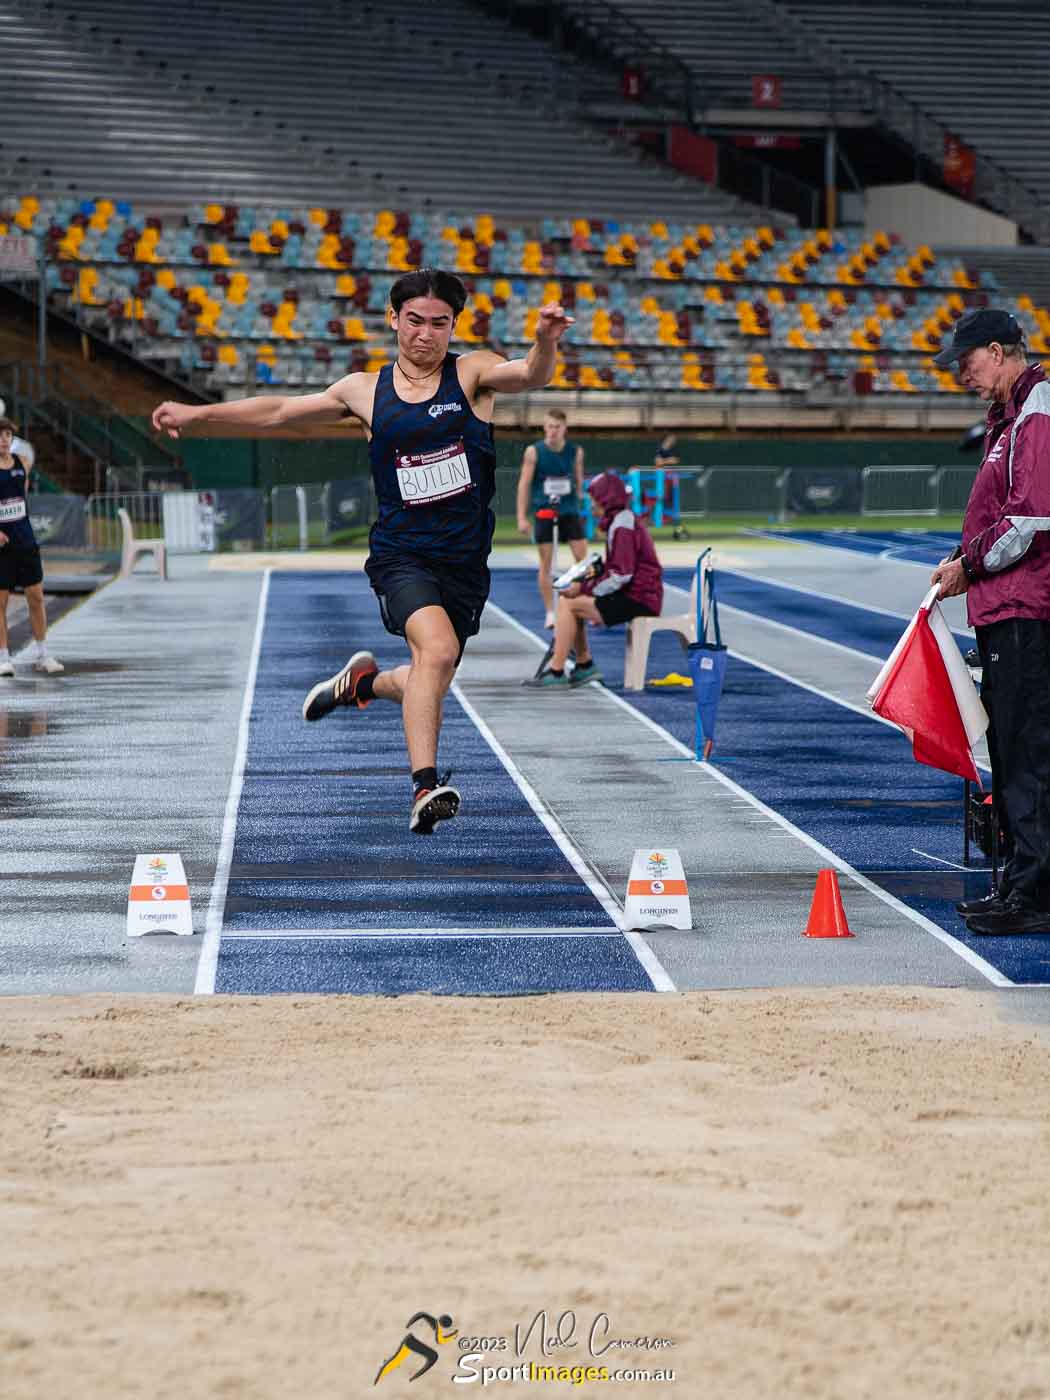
979, 328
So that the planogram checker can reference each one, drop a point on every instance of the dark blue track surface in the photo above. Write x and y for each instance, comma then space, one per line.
322, 839
911, 546
842, 777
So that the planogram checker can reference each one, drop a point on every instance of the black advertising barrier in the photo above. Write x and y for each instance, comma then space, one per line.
349, 503
58, 519
824, 490
240, 519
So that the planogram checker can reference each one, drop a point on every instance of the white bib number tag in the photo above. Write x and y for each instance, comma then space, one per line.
557, 486
426, 477
12, 510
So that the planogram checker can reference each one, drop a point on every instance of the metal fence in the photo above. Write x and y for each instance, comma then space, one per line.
915, 490
104, 533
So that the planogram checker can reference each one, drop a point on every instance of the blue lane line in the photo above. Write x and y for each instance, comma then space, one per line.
911, 546
322, 837
841, 777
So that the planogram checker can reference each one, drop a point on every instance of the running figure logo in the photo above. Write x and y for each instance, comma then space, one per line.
443, 1332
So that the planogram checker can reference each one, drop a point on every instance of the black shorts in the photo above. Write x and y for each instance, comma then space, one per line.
19, 567
570, 527
615, 608
404, 584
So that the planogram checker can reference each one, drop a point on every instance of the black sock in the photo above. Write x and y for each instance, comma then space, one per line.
557, 673
365, 686
424, 778
585, 665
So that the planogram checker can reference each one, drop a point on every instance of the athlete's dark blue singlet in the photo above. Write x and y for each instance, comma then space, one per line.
433, 465
14, 516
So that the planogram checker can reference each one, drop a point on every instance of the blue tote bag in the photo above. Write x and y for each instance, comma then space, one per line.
707, 662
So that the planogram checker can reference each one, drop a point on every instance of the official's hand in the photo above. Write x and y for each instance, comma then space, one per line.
573, 591
524, 528
553, 323
950, 574
171, 418
3, 539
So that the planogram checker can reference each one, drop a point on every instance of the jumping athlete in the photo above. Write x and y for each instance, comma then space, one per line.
20, 565
429, 420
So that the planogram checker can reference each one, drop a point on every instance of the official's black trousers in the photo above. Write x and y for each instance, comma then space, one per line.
1015, 689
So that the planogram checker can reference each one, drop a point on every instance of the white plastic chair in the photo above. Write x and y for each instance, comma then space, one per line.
131, 548
640, 632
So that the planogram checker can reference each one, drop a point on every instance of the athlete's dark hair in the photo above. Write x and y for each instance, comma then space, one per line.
429, 282
6, 423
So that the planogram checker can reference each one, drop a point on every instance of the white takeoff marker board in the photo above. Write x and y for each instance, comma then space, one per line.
657, 893
159, 897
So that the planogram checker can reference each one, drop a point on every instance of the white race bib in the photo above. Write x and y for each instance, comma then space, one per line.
12, 510
426, 477
554, 487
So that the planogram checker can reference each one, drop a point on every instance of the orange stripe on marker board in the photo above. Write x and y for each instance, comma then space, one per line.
171, 893
646, 886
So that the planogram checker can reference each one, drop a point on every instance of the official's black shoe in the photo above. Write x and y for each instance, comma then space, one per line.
433, 805
341, 689
988, 904
1016, 916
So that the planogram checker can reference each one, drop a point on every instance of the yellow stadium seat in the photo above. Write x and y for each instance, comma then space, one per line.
228, 355
213, 214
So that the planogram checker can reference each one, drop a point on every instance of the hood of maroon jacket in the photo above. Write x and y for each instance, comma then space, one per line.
1006, 529
631, 564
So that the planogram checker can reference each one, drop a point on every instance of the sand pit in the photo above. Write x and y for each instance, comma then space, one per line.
819, 1194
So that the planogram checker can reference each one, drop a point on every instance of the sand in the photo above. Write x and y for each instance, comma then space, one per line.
820, 1194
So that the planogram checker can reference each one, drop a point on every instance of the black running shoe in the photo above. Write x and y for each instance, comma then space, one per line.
988, 904
433, 805
341, 689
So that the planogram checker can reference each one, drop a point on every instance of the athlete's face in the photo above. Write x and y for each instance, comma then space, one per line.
424, 328
554, 433
7, 437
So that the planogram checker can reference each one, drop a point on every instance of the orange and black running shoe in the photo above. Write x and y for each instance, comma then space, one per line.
341, 689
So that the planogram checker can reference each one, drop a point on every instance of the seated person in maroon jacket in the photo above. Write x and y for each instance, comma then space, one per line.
630, 584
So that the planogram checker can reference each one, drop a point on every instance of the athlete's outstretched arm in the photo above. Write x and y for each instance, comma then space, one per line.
298, 415
536, 370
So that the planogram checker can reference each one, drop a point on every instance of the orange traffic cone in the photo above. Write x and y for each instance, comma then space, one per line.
827, 917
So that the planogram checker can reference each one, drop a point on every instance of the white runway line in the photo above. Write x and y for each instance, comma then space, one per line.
209, 958
655, 970
978, 963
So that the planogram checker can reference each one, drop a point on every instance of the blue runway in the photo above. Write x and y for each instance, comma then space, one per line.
909, 546
322, 844
843, 778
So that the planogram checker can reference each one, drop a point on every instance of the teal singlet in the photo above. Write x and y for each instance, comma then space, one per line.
556, 465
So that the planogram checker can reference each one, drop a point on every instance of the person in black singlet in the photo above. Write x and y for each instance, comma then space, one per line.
429, 420
20, 565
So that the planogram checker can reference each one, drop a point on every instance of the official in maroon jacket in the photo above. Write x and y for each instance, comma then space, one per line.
1004, 570
630, 584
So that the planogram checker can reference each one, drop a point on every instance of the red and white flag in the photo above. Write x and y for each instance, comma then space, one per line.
926, 689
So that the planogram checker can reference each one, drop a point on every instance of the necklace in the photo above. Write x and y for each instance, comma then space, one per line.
414, 379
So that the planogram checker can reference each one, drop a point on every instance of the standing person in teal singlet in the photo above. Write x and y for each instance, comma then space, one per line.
552, 479
429, 421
